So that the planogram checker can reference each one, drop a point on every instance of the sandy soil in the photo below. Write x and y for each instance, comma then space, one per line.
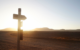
9, 42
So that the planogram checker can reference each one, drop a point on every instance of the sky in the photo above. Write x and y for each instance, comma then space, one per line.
54, 14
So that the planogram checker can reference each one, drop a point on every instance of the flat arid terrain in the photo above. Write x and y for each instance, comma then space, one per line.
40, 40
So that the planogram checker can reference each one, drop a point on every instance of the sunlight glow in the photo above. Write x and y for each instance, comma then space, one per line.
27, 25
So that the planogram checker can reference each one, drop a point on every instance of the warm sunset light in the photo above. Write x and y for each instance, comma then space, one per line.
39, 24
27, 25
39, 14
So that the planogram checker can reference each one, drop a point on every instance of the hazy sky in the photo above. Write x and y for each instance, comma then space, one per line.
55, 14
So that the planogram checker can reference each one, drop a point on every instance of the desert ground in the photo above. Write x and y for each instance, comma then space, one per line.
35, 40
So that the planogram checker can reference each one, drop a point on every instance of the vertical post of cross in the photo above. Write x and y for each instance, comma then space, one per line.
19, 22
20, 32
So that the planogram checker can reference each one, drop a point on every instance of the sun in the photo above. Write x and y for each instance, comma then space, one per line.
26, 28
28, 25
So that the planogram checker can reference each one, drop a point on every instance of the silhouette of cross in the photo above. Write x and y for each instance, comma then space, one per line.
20, 32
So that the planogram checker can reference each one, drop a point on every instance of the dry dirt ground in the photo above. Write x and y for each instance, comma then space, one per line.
8, 41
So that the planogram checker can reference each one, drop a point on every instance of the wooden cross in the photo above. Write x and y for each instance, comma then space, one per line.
20, 32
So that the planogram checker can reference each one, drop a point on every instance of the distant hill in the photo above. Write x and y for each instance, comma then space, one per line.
9, 29
42, 29
36, 29
48, 29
